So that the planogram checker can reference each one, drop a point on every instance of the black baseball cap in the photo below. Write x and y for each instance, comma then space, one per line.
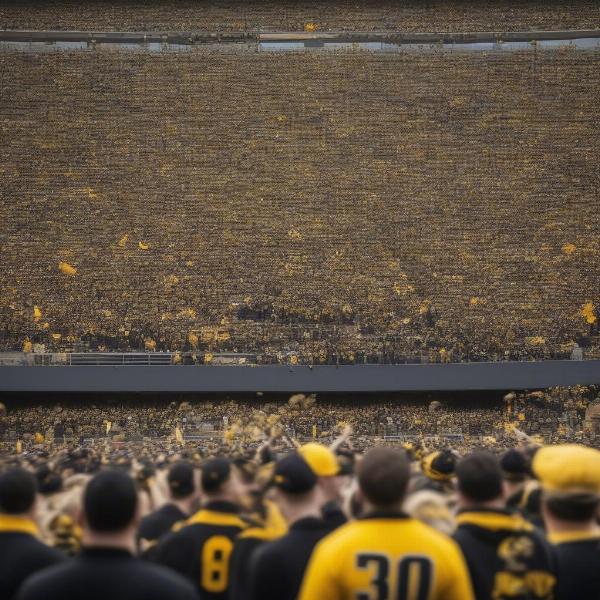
293, 475
215, 473
515, 465
181, 479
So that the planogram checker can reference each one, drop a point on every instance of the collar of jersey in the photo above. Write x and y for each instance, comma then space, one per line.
12, 524
385, 514
494, 520
309, 524
564, 537
218, 513
104, 552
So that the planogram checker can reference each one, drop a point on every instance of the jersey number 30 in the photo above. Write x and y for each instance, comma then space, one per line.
414, 577
215, 563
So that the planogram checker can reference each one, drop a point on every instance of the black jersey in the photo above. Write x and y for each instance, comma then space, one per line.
578, 565
158, 523
106, 574
277, 568
201, 549
21, 554
507, 557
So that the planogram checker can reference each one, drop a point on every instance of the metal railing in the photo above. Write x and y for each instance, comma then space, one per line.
62, 359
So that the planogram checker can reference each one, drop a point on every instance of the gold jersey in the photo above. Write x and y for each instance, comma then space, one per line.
386, 557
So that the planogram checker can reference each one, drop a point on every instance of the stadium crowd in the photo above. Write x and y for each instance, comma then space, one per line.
556, 414
308, 15
277, 517
309, 231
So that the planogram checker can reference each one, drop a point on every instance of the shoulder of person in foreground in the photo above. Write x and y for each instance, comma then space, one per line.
175, 549
153, 581
41, 555
327, 567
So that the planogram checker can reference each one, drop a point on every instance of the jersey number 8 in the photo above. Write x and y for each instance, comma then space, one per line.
414, 577
215, 563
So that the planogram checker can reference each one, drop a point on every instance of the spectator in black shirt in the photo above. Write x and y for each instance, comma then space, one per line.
201, 549
277, 568
21, 551
183, 493
106, 567
515, 470
507, 557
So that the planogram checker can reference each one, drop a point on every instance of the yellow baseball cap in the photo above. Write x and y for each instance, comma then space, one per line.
568, 469
320, 459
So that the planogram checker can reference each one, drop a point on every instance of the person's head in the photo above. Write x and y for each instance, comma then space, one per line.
479, 480
295, 487
439, 468
18, 490
515, 467
221, 481
181, 482
383, 476
570, 479
324, 464
110, 504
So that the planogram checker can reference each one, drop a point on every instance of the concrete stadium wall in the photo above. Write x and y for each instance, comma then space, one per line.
363, 378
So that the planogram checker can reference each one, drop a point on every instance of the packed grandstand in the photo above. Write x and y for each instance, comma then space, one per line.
307, 15
300, 203
232, 199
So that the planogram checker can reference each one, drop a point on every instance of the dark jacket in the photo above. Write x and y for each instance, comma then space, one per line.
277, 568
106, 573
21, 554
578, 566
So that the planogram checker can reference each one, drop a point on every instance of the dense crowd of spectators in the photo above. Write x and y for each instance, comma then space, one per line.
554, 415
63, 490
309, 15
309, 231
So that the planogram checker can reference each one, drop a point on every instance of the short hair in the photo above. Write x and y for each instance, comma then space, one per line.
575, 508
18, 489
480, 477
110, 502
383, 476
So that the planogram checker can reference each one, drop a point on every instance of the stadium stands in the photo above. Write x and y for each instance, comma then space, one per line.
287, 15
249, 201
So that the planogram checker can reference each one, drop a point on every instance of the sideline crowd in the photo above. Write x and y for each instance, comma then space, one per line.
308, 522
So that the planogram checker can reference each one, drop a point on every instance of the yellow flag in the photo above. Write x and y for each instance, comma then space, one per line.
67, 269
178, 435
314, 432
521, 416
19, 447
